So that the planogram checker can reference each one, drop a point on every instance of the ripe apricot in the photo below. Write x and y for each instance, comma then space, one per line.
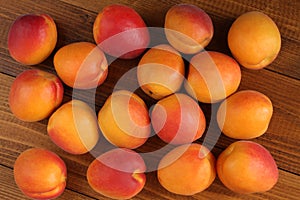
158, 76
212, 76
245, 114
73, 127
188, 28
32, 38
247, 167
81, 65
124, 120
121, 32
117, 174
40, 174
35, 94
178, 119
254, 40
187, 169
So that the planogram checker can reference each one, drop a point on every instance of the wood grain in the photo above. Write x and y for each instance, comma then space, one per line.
74, 18
11, 191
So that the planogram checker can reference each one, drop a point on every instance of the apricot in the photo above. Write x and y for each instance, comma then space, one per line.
212, 76
247, 167
124, 120
35, 94
188, 28
160, 71
40, 174
178, 119
121, 32
73, 127
81, 65
32, 38
187, 169
245, 115
254, 40
117, 174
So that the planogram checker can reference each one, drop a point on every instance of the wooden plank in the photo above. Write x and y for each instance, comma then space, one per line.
74, 19
223, 14
77, 166
9, 190
17, 136
283, 126
287, 182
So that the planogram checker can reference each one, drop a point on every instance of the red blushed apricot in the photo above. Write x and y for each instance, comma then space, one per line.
81, 65
117, 174
40, 174
247, 167
32, 38
178, 119
254, 40
188, 28
35, 94
212, 76
124, 120
121, 32
74, 128
187, 169
245, 114
158, 76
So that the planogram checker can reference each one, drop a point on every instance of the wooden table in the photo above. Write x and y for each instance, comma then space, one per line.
74, 19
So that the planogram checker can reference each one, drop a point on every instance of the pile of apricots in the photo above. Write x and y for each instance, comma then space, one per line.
126, 122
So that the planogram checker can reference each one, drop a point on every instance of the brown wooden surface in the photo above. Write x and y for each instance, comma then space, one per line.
74, 19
